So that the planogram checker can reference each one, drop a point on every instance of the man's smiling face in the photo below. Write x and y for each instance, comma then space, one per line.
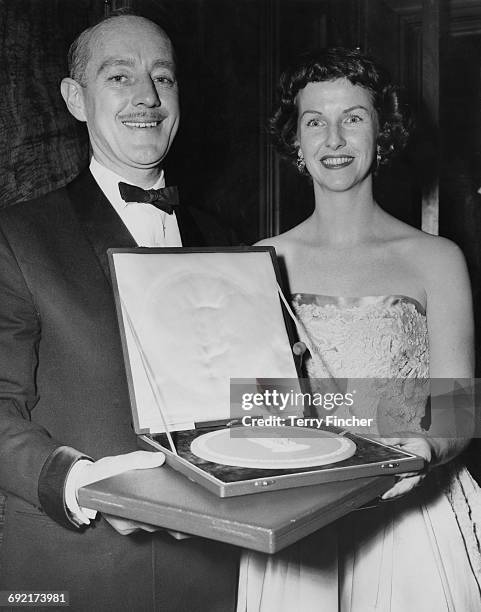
130, 97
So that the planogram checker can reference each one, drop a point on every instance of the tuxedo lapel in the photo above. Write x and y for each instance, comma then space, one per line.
102, 226
190, 232
199, 228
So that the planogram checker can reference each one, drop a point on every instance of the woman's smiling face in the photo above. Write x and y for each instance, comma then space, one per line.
336, 131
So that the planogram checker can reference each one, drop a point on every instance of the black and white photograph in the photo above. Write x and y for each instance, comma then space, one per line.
240, 305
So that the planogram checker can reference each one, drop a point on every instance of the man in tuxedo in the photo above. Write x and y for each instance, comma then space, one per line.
65, 416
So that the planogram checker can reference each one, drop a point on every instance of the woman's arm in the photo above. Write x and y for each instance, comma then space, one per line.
451, 345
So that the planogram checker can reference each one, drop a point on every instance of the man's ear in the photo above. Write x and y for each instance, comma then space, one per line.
72, 93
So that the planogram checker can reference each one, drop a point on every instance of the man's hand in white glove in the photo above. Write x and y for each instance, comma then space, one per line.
85, 472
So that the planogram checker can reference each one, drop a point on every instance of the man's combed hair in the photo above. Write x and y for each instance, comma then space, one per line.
338, 63
78, 56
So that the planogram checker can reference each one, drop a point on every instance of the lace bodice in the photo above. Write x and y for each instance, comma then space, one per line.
373, 336
383, 338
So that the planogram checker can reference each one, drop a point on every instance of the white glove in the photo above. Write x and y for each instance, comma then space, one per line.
85, 472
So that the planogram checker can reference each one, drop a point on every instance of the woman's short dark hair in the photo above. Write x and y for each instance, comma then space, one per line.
339, 63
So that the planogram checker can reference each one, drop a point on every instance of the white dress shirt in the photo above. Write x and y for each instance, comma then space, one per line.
149, 226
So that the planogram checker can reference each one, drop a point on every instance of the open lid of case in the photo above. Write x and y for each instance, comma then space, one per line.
191, 320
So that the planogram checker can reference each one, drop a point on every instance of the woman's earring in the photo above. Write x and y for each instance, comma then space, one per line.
300, 163
378, 156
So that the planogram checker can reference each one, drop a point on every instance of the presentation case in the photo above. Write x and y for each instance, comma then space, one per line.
192, 322
266, 523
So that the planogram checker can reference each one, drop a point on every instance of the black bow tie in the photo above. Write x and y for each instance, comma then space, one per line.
165, 198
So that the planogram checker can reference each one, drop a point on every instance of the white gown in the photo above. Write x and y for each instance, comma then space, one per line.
420, 553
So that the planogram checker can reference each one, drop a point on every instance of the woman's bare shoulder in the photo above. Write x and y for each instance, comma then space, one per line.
434, 254
428, 251
285, 242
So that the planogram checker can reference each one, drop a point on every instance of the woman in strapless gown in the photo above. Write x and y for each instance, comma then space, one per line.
375, 299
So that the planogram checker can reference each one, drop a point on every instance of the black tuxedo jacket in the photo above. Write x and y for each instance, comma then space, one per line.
63, 393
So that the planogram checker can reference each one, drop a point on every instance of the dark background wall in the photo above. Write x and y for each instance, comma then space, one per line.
40, 145
230, 55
